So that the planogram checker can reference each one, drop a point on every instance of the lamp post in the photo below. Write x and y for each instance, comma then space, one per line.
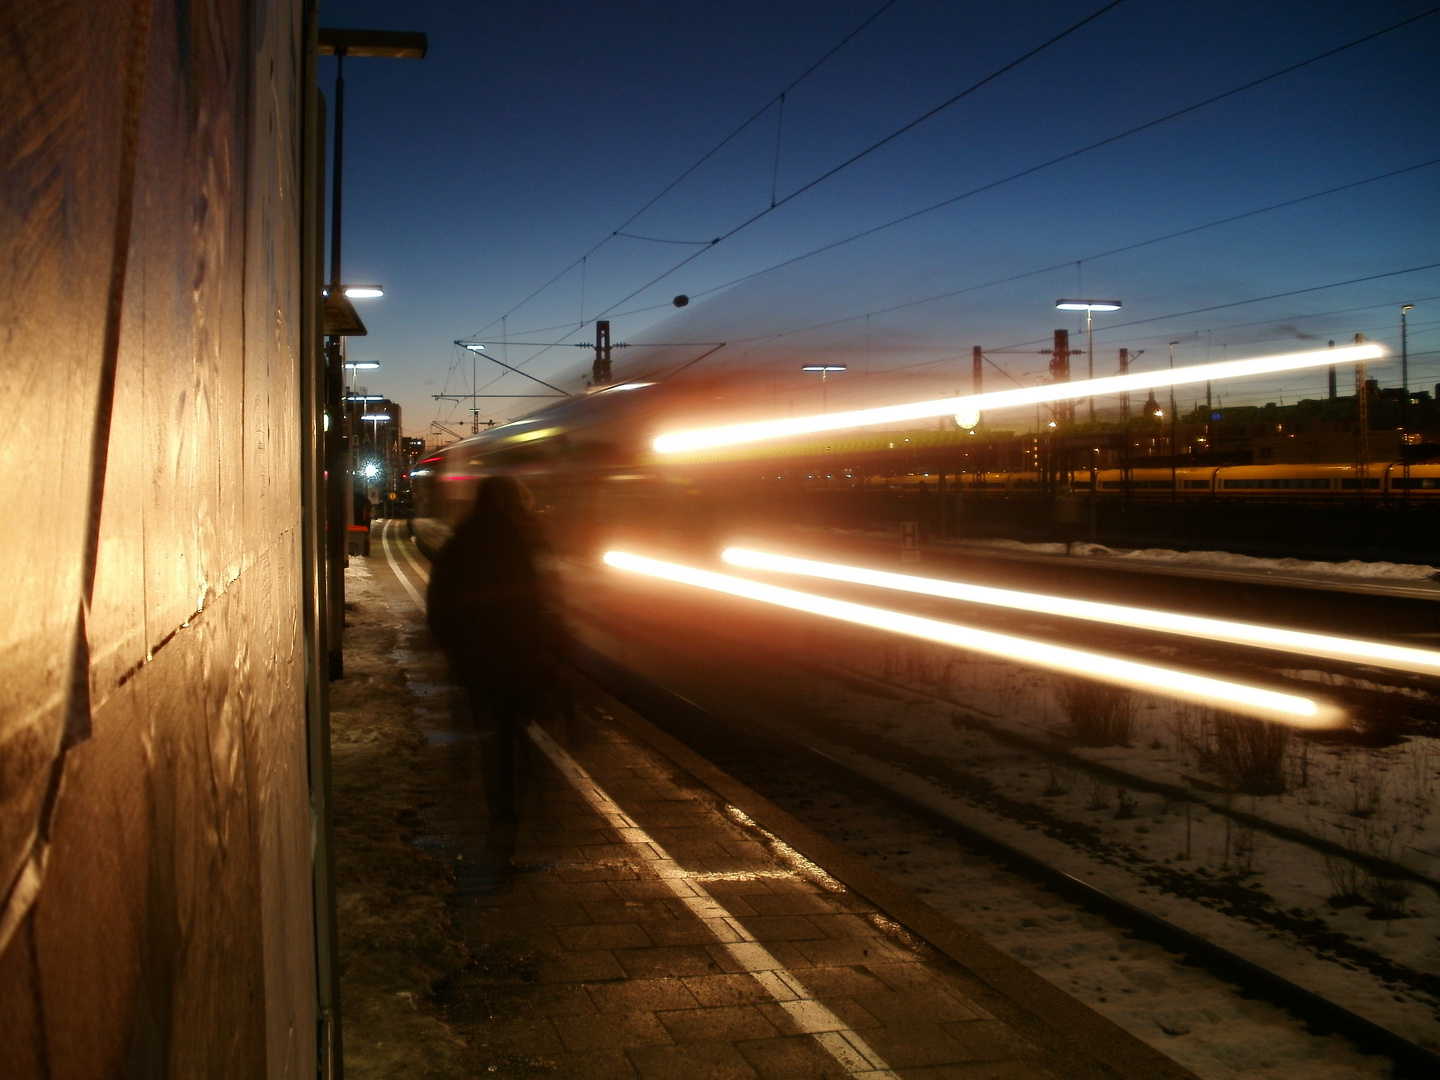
373, 472
1404, 357
824, 370
1172, 422
340, 43
1405, 400
1089, 307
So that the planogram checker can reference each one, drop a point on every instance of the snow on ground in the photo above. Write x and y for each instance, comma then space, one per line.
397, 940
1369, 943
1224, 560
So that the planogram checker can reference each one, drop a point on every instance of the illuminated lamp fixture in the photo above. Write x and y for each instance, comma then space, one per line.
824, 370
363, 292
377, 416
1089, 307
361, 365
1152, 407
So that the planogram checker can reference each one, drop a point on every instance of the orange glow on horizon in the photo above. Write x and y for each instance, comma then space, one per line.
1236, 697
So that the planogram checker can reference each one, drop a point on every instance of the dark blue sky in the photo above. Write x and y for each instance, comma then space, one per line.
534, 129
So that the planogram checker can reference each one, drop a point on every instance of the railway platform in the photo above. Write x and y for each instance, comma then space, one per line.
660, 920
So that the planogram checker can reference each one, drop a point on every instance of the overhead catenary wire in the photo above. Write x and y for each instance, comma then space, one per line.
862, 154
1068, 262
1051, 268
699, 162
1070, 155
1175, 114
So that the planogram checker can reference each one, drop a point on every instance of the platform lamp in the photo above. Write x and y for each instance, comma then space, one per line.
341, 43
824, 370
1173, 420
1089, 307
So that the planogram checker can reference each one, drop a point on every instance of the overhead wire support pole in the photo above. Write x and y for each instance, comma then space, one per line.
477, 348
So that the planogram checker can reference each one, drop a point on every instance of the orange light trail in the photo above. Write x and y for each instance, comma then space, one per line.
1238, 697
764, 430
1352, 650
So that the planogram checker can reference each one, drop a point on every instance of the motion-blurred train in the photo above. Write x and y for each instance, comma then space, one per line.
590, 464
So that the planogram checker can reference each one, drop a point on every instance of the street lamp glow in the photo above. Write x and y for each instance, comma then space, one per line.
1087, 305
361, 365
376, 416
766, 430
363, 292
475, 346
825, 367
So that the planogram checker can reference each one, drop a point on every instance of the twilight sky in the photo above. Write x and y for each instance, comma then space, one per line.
535, 130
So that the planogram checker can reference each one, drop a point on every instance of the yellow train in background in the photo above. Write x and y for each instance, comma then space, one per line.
1384, 480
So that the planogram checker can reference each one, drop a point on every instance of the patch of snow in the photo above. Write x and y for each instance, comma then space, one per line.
1225, 560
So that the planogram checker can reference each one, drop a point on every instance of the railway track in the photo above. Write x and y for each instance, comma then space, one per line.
649, 654
847, 754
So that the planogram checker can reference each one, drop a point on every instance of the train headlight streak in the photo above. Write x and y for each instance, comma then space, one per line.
1236, 697
761, 431
1353, 650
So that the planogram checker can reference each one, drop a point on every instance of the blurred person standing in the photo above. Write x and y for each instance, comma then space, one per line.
494, 615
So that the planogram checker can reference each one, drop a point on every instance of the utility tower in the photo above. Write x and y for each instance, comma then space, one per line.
1060, 370
600, 373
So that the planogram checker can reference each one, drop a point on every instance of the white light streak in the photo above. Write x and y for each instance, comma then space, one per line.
1236, 697
1351, 650
760, 431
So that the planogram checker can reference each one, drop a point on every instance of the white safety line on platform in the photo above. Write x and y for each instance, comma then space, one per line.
419, 570
395, 566
810, 1015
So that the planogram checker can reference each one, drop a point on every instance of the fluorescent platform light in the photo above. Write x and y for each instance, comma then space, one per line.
1087, 305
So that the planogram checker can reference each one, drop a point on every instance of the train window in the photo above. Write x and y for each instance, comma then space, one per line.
1194, 485
1307, 484
1350, 483
1415, 483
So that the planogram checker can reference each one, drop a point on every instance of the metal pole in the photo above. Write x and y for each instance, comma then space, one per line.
1405, 402
1404, 359
1173, 494
1090, 359
314, 489
339, 169
338, 440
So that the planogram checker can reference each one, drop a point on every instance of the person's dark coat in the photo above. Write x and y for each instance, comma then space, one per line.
487, 603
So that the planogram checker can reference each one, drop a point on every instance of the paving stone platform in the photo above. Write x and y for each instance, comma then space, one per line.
661, 922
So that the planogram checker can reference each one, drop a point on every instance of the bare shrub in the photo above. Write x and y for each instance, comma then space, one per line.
1241, 847
1099, 796
1100, 714
1355, 882
1249, 755
1059, 783
1365, 787
1346, 879
1125, 805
